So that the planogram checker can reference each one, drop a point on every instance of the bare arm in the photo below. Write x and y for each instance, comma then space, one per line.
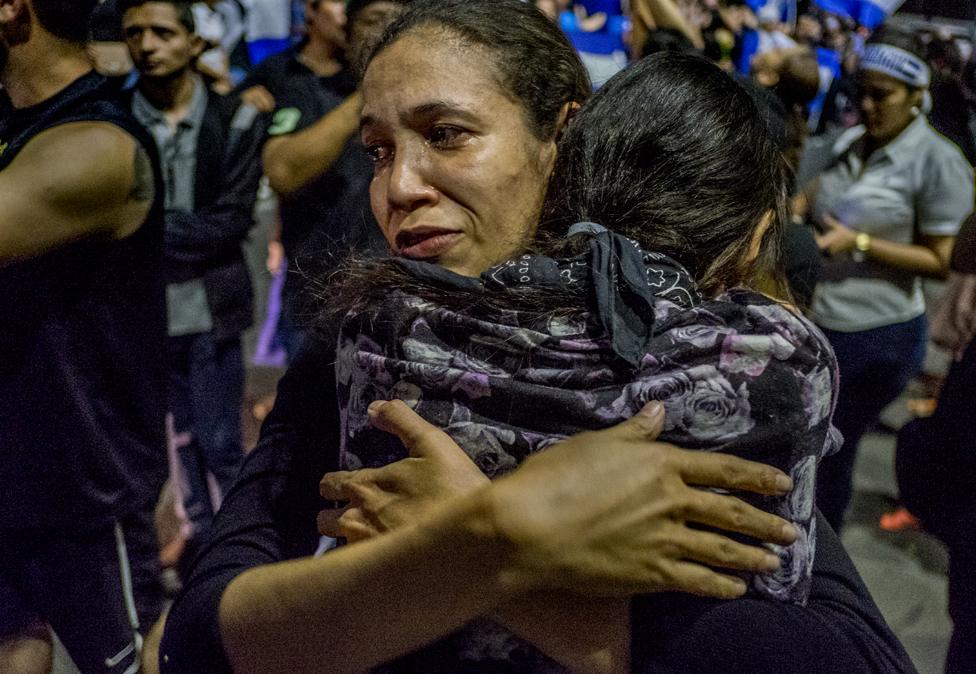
292, 161
72, 182
362, 605
665, 14
930, 257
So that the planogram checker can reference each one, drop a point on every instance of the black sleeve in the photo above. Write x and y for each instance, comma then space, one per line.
964, 252
803, 263
218, 227
269, 513
839, 630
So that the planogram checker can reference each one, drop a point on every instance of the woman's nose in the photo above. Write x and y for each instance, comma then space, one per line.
409, 185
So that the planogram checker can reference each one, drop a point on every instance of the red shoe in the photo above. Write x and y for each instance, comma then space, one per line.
900, 520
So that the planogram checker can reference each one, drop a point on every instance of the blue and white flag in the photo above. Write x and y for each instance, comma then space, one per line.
868, 13
268, 27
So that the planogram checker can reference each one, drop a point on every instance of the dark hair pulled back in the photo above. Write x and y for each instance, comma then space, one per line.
675, 154
536, 64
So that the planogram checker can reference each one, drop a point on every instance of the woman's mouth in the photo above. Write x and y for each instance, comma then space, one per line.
425, 244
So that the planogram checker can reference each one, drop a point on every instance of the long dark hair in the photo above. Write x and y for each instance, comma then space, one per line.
672, 153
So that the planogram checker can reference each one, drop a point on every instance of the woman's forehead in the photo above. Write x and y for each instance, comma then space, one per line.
419, 71
877, 80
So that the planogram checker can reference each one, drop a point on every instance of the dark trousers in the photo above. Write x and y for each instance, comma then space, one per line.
875, 366
936, 466
98, 590
206, 390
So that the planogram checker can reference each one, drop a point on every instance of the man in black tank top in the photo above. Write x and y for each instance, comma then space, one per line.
82, 402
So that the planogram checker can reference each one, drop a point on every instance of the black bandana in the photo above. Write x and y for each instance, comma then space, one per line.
624, 278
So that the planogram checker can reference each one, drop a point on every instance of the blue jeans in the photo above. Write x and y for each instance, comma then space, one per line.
206, 390
875, 366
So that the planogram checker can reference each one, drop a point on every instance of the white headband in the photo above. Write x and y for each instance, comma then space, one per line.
897, 63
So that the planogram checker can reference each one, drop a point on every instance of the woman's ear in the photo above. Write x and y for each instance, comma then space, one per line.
758, 234
916, 98
566, 115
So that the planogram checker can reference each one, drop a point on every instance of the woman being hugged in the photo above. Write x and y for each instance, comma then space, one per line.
637, 290
889, 207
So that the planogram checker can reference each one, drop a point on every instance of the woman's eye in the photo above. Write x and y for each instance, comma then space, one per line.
445, 136
377, 153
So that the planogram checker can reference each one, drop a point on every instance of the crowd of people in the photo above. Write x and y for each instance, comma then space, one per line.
586, 307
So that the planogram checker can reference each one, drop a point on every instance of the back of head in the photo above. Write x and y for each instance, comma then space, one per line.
667, 39
65, 19
799, 79
675, 154
534, 61
184, 11
355, 7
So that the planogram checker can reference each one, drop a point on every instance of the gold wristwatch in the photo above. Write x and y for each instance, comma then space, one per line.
862, 244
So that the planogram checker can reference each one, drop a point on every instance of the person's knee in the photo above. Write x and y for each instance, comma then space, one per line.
30, 652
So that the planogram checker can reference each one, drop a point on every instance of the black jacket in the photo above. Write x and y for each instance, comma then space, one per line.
207, 242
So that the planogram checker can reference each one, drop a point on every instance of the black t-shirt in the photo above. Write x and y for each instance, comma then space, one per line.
330, 216
82, 397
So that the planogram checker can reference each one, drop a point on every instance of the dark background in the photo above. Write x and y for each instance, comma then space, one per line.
953, 9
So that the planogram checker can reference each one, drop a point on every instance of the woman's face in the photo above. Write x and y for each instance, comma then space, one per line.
459, 177
885, 104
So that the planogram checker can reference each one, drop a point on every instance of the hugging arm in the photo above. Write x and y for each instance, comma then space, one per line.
592, 526
840, 629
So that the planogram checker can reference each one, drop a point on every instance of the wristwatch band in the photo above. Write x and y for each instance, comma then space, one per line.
862, 244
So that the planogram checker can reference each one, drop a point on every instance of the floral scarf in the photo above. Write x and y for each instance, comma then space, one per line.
739, 374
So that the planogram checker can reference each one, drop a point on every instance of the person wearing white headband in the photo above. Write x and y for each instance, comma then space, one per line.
888, 208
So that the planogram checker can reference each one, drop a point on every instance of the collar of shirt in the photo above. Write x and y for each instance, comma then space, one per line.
903, 148
150, 116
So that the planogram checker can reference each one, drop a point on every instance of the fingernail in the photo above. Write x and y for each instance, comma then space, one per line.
375, 407
771, 562
740, 586
652, 410
789, 532
783, 483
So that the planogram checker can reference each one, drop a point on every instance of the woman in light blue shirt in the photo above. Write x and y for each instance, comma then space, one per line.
888, 208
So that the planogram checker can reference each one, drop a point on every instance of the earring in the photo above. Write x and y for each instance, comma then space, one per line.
915, 111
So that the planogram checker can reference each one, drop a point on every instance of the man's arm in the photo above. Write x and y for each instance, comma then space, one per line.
72, 182
211, 230
665, 14
293, 160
